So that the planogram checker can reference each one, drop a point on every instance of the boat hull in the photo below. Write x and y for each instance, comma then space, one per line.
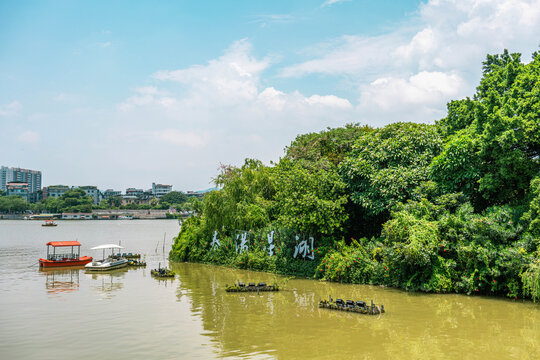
106, 266
83, 260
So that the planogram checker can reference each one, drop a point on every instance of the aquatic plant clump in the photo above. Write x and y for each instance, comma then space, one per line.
251, 287
162, 273
352, 306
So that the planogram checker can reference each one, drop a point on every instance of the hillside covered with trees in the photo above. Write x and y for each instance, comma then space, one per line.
449, 207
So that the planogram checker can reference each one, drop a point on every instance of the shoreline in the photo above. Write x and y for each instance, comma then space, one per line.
382, 286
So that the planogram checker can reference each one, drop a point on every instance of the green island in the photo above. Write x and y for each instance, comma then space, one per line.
449, 207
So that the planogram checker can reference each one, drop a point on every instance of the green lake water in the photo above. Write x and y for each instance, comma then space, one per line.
127, 314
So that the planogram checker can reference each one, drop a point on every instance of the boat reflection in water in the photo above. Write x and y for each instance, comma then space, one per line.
58, 281
106, 283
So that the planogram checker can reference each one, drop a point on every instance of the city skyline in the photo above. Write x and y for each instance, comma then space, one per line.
122, 95
104, 188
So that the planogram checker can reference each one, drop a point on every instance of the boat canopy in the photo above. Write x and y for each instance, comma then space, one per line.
63, 243
107, 246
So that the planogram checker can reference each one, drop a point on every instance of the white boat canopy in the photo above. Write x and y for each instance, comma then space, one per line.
107, 246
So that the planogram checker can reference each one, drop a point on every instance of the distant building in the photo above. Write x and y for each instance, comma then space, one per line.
134, 192
93, 192
17, 189
35, 196
158, 190
19, 175
110, 193
54, 191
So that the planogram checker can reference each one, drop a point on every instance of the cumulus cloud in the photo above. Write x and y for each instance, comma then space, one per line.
449, 34
221, 111
228, 80
430, 60
12, 109
330, 101
28, 137
147, 96
424, 88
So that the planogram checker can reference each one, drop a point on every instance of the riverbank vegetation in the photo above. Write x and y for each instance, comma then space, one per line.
76, 201
448, 207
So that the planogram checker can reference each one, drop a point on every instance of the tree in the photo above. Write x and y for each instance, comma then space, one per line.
115, 201
493, 147
332, 144
310, 197
384, 167
245, 201
174, 197
13, 204
75, 200
532, 217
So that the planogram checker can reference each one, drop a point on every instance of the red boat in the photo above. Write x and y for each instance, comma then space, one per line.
64, 259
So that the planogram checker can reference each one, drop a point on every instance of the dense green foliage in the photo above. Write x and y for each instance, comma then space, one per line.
385, 166
74, 200
174, 197
493, 143
450, 207
13, 204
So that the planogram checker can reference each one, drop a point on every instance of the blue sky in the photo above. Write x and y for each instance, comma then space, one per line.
121, 94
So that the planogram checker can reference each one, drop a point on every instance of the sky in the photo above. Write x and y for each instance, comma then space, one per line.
121, 94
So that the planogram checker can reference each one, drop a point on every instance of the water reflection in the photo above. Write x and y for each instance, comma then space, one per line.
58, 281
166, 282
289, 324
107, 283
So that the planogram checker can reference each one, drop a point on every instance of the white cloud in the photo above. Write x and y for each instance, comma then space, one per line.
148, 96
424, 88
449, 35
421, 96
432, 59
220, 112
147, 90
348, 55
330, 101
265, 20
332, 2
105, 44
28, 137
176, 137
12, 109
228, 80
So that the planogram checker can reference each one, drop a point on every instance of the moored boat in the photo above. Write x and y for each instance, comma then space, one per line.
72, 258
108, 263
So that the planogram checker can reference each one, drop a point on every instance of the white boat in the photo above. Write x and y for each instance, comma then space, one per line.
108, 263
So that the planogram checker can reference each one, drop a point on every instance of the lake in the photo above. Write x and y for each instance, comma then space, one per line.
127, 314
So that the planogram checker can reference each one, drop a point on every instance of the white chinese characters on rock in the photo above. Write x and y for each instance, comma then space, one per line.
303, 248
243, 246
215, 241
271, 246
